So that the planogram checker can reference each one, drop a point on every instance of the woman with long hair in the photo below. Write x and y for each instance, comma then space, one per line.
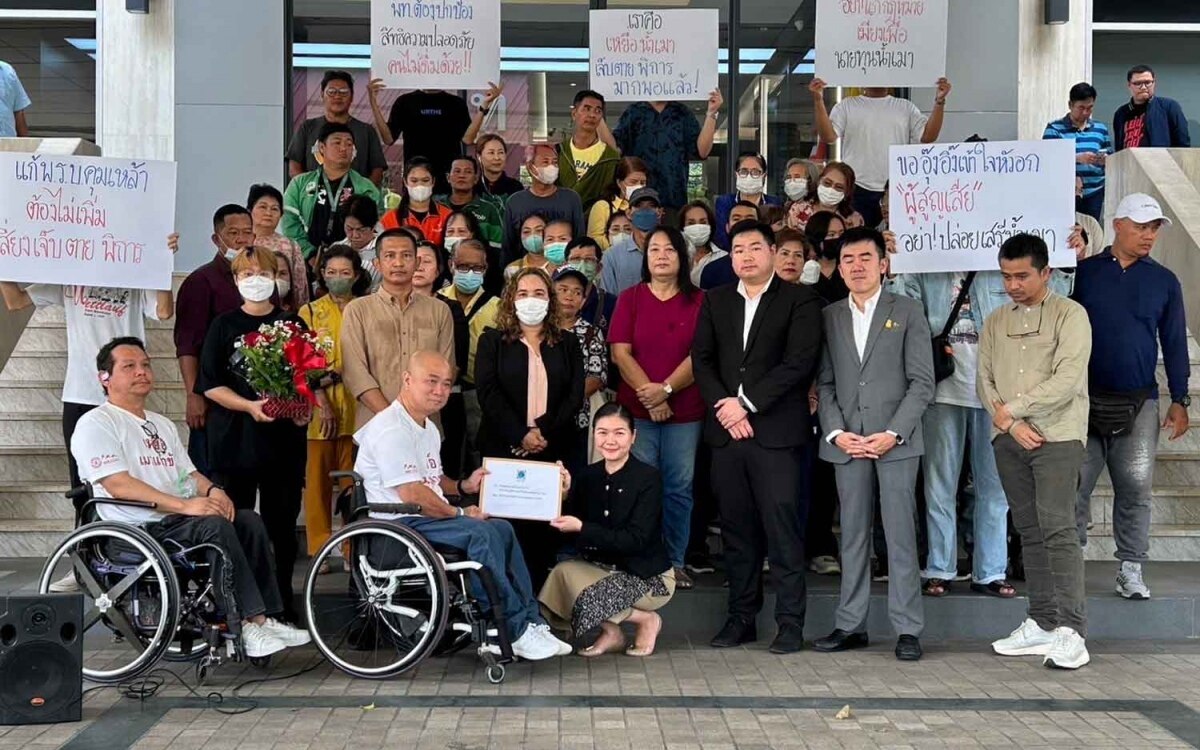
834, 193
632, 174
696, 221
417, 208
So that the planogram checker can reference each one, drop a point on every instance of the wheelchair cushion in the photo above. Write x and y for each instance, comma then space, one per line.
450, 554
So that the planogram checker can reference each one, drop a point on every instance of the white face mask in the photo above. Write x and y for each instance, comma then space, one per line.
283, 286
795, 188
531, 311
547, 175
631, 189
451, 242
829, 196
420, 193
750, 185
617, 237
256, 288
230, 253
697, 234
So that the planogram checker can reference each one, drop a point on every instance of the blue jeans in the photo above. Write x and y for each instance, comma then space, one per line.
671, 448
947, 430
493, 545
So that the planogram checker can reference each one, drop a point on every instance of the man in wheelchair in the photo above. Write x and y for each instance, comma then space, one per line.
125, 451
399, 460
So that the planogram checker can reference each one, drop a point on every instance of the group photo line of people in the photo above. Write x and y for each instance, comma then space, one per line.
738, 386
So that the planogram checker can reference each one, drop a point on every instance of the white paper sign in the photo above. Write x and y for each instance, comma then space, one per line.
881, 42
435, 44
86, 220
653, 55
953, 205
530, 490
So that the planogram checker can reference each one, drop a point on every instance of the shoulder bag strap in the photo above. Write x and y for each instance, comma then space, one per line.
958, 303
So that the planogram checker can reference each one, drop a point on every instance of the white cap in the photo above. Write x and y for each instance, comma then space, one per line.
1141, 208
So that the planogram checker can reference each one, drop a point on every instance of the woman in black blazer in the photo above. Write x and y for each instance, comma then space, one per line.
623, 572
529, 378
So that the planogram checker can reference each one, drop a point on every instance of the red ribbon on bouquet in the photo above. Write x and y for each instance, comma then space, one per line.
304, 358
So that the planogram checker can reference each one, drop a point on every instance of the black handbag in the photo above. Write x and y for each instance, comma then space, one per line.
943, 363
1112, 414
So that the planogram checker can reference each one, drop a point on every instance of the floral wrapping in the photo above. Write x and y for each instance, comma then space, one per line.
278, 361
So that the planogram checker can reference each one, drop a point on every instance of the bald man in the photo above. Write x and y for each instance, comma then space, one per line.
399, 459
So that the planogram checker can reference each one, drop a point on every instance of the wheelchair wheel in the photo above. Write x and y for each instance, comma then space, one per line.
389, 611
129, 590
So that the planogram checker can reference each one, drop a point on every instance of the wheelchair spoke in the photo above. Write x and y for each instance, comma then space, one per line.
116, 592
118, 618
86, 579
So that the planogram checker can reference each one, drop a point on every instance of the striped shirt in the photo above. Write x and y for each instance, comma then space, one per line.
1093, 138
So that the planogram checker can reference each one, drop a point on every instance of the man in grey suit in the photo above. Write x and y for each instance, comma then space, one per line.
876, 378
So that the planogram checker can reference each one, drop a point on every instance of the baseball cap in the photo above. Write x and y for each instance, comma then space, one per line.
645, 193
570, 272
1141, 208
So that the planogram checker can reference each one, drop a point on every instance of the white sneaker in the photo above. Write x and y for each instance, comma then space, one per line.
291, 636
825, 565
66, 585
1027, 640
562, 647
258, 641
1129, 581
1068, 650
533, 646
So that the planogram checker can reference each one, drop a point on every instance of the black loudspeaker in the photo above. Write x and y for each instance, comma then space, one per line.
41, 658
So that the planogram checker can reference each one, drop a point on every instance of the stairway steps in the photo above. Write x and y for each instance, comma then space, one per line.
45, 396
1171, 506
41, 428
43, 500
53, 366
43, 339
1174, 542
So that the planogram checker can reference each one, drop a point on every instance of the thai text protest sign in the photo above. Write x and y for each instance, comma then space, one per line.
653, 55
435, 44
86, 220
881, 42
953, 205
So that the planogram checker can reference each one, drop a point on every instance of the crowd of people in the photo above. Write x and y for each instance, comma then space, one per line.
748, 365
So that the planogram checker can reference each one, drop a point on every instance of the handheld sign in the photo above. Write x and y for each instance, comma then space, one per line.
86, 220
881, 42
953, 205
435, 44
653, 55
529, 490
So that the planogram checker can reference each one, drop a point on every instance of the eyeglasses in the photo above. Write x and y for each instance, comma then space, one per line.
1024, 331
750, 173
154, 441
1141, 84
338, 92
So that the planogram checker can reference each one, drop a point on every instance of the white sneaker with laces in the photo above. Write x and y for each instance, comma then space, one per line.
533, 646
1129, 581
825, 565
1068, 651
562, 647
66, 585
1027, 640
291, 636
259, 642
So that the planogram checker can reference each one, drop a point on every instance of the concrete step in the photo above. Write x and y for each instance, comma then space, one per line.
1172, 506
53, 338
1167, 543
32, 537
40, 500
45, 396
45, 428
37, 463
53, 366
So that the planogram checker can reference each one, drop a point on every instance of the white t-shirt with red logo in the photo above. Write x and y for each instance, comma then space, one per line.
394, 450
109, 440
95, 316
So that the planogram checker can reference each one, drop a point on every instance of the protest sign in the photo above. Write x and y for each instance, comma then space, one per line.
653, 55
86, 220
435, 44
881, 42
952, 206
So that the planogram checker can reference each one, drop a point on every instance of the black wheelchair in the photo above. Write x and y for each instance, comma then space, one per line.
145, 601
400, 599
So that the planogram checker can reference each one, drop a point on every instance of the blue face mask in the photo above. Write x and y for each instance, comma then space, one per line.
532, 244
644, 219
468, 282
556, 252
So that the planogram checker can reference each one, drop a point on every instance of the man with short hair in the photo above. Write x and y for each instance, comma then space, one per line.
586, 164
754, 355
1134, 305
13, 103
543, 197
337, 94
469, 267
1033, 359
875, 381
1092, 145
314, 202
1149, 120
126, 451
464, 196
718, 269
399, 461
623, 262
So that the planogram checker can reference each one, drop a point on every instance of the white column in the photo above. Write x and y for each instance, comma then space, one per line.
135, 81
1051, 60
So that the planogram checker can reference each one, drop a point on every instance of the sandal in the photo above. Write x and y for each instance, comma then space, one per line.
1002, 589
683, 580
936, 587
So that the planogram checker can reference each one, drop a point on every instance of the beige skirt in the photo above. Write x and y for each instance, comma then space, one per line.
568, 580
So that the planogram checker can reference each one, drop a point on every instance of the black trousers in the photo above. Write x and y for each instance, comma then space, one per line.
763, 500
454, 440
704, 503
818, 534
70, 417
279, 499
244, 542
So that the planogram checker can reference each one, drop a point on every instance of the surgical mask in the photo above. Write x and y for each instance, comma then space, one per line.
795, 188
617, 237
644, 219
531, 311
339, 286
283, 286
256, 288
631, 189
750, 185
451, 242
556, 252
420, 193
829, 196
589, 268
697, 234
811, 273
532, 244
468, 282
230, 253
547, 175
831, 248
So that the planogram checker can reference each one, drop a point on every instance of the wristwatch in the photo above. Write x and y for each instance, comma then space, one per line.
1185, 401
667, 389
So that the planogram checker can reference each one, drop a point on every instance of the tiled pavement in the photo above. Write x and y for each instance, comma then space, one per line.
685, 696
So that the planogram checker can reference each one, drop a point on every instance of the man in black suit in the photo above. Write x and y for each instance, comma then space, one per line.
754, 355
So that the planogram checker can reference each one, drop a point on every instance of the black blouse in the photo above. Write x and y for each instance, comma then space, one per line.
622, 517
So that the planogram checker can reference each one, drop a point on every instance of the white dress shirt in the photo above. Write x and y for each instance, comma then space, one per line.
862, 320
748, 321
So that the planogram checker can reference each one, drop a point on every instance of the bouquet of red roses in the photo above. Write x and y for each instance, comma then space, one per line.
279, 361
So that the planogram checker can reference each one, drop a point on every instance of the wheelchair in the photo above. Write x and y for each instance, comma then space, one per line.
401, 598
145, 601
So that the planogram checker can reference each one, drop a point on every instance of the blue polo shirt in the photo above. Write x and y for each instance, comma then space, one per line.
1132, 311
1093, 138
